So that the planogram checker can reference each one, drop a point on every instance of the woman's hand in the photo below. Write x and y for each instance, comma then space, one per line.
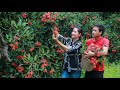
55, 32
53, 37
62, 46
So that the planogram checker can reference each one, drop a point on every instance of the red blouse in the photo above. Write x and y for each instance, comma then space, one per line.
102, 42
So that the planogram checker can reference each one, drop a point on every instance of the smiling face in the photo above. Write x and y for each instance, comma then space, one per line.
96, 32
75, 34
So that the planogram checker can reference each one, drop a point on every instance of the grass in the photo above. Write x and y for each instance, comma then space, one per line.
112, 70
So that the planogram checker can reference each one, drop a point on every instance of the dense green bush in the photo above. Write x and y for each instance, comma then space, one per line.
32, 51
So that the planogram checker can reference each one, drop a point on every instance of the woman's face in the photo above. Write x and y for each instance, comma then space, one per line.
75, 34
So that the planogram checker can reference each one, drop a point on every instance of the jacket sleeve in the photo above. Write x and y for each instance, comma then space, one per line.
75, 48
62, 39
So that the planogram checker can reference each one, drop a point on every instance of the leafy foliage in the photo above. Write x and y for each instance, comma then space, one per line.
31, 48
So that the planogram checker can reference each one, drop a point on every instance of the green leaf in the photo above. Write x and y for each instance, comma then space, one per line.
26, 28
7, 36
19, 23
11, 70
29, 57
42, 49
35, 58
10, 39
13, 23
24, 24
36, 66
48, 51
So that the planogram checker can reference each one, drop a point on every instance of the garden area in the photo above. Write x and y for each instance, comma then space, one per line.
27, 49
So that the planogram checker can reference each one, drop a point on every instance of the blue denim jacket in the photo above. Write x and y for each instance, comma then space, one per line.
71, 57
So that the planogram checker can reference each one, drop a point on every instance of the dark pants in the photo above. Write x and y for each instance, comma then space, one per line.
73, 74
94, 74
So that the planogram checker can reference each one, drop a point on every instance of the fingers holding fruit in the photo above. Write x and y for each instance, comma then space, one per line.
54, 37
55, 30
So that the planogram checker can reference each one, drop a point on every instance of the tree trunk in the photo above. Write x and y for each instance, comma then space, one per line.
3, 49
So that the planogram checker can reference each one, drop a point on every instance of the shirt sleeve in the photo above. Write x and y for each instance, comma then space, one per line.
62, 39
75, 48
88, 42
106, 43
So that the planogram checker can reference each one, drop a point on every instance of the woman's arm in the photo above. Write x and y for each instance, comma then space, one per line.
61, 38
62, 46
70, 49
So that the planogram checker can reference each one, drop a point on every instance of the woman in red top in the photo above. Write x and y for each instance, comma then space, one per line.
102, 43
